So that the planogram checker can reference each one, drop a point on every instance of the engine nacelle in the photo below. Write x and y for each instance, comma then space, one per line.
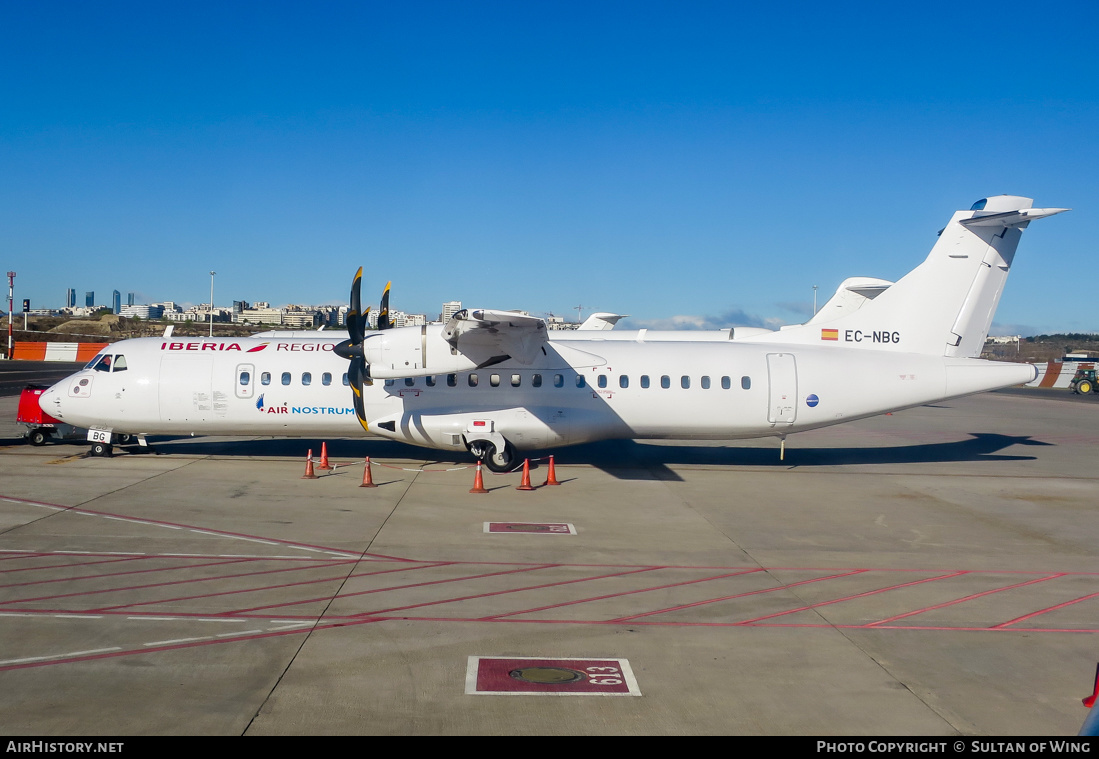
415, 352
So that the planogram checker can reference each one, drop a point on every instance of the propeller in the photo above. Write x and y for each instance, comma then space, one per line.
383, 311
352, 348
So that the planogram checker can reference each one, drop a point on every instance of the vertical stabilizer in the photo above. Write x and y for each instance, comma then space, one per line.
943, 307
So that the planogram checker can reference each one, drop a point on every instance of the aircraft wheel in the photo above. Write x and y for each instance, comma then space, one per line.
500, 461
101, 449
39, 437
1084, 387
125, 439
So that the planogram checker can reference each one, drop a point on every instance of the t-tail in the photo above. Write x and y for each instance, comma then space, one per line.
943, 307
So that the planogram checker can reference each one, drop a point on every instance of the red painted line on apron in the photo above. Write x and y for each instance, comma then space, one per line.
1044, 611
505, 592
122, 574
963, 600
853, 597
246, 612
67, 566
255, 589
621, 594
738, 595
169, 583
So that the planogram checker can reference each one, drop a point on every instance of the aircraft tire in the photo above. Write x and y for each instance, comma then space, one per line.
500, 461
39, 437
101, 449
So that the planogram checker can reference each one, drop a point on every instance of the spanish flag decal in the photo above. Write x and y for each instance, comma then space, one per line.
829, 334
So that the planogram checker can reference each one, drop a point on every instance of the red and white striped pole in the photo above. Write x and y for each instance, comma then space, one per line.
11, 306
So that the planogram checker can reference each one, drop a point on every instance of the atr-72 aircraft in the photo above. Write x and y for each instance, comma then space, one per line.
497, 383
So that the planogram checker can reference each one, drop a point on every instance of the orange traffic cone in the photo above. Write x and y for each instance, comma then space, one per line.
368, 479
525, 484
478, 481
324, 458
309, 467
551, 477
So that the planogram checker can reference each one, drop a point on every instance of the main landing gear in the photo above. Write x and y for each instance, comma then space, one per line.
497, 459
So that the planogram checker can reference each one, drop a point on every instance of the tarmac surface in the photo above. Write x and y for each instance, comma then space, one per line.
930, 572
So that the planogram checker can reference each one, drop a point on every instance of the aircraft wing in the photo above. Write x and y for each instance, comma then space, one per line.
510, 333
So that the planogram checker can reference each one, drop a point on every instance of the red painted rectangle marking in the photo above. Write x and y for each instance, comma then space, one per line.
536, 676
532, 528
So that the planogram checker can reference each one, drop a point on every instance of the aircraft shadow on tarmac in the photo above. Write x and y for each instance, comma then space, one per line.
624, 459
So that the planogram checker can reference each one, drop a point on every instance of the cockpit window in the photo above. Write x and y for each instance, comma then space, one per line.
119, 363
103, 364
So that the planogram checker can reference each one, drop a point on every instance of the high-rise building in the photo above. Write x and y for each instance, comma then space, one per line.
116, 302
129, 299
89, 298
449, 309
70, 298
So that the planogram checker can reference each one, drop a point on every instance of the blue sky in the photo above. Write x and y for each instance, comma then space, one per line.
706, 162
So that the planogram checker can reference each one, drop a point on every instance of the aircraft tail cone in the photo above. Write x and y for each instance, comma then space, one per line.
309, 474
551, 476
368, 479
478, 481
324, 458
525, 484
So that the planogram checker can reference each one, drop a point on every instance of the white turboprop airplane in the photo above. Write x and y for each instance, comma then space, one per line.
496, 383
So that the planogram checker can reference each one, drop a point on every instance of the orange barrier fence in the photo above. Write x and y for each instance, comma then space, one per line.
56, 351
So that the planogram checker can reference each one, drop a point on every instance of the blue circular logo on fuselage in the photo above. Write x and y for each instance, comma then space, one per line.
812, 400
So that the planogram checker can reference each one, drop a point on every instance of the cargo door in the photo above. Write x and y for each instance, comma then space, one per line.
185, 392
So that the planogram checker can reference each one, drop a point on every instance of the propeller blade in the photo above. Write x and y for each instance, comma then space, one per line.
356, 321
383, 313
355, 378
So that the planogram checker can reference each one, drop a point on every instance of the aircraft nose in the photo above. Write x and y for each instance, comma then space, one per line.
50, 400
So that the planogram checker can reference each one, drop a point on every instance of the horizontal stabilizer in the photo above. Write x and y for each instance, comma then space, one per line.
1011, 218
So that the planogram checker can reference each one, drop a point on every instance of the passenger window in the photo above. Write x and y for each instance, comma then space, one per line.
684, 382
306, 378
389, 383
665, 381
602, 380
705, 383
536, 380
746, 382
644, 380
265, 378
409, 381
430, 381
120, 363
516, 380
580, 380
245, 378
473, 380
624, 381
558, 380
286, 378
326, 379
726, 383
494, 380
452, 380
345, 380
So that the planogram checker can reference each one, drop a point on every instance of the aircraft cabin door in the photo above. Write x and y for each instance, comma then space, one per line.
245, 382
782, 389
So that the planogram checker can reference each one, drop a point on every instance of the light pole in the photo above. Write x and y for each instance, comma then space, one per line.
11, 306
212, 303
